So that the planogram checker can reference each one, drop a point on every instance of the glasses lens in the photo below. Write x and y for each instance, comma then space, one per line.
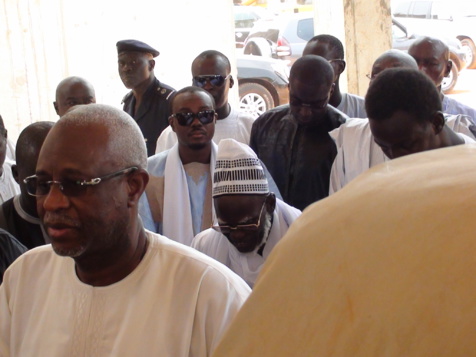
215, 80
200, 81
184, 119
72, 188
206, 116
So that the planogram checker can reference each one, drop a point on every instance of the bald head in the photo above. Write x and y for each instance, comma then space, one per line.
310, 87
433, 58
72, 91
392, 59
313, 70
121, 138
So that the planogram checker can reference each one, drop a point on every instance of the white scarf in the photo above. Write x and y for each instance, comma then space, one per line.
177, 216
248, 265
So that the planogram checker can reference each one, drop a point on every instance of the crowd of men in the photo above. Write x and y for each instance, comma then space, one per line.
106, 214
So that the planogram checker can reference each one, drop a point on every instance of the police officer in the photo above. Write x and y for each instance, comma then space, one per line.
147, 102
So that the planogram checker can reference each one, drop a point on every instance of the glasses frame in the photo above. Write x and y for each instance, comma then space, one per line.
87, 183
253, 226
209, 78
191, 116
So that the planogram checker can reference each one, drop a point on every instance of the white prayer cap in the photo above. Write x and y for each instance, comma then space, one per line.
238, 170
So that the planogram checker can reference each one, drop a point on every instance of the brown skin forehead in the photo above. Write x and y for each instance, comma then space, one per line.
429, 48
71, 88
320, 48
210, 65
81, 148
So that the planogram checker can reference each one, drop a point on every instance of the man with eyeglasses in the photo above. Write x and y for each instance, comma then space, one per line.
211, 71
331, 49
19, 215
105, 286
148, 100
251, 220
178, 200
433, 58
293, 140
357, 149
73, 91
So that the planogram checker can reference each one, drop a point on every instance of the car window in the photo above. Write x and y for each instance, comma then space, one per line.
421, 9
441, 11
305, 29
402, 9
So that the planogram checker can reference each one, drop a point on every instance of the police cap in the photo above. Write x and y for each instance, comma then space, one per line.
135, 46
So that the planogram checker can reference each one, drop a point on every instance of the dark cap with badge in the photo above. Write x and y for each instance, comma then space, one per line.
135, 46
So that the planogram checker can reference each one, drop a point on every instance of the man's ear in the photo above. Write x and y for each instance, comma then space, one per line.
151, 64
232, 81
172, 123
448, 67
137, 181
56, 107
15, 173
438, 122
270, 203
340, 67
332, 90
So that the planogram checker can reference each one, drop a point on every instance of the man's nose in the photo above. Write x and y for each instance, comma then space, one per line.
55, 199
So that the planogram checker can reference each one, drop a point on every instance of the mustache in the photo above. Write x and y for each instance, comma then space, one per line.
58, 219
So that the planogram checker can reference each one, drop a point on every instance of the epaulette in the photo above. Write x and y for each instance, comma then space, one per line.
165, 91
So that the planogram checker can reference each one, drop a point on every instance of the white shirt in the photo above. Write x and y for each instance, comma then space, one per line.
236, 125
8, 185
352, 105
246, 265
357, 150
177, 302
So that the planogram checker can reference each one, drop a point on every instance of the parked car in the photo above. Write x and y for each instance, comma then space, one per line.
263, 84
456, 18
283, 37
245, 17
286, 36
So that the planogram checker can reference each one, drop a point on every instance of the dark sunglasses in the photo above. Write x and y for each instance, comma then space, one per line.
215, 80
186, 119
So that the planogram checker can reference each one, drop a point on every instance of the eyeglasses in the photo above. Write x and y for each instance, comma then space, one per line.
371, 77
317, 105
335, 60
226, 230
186, 119
216, 80
38, 187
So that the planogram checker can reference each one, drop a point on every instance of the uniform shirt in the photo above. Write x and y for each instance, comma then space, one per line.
153, 113
177, 302
298, 158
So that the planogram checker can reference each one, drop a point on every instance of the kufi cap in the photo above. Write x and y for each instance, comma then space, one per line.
238, 170
135, 46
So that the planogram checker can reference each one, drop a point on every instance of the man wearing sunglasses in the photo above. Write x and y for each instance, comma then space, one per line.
148, 100
211, 71
178, 200
332, 50
105, 286
293, 140
251, 220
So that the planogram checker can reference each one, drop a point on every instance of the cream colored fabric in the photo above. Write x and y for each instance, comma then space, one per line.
384, 267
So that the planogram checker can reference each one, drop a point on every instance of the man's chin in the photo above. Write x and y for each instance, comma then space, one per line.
71, 252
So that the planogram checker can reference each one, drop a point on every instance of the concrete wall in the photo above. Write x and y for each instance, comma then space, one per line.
364, 27
45, 41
